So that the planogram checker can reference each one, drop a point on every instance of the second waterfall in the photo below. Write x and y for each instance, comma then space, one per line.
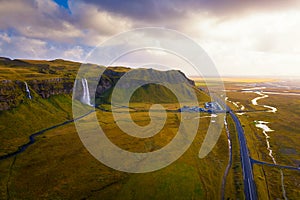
86, 99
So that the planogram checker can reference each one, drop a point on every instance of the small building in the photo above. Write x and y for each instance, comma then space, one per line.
213, 107
191, 109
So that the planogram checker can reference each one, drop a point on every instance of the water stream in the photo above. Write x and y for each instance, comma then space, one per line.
262, 96
263, 125
27, 90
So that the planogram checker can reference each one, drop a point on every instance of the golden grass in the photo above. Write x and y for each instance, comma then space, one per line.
269, 185
47, 168
31, 70
234, 183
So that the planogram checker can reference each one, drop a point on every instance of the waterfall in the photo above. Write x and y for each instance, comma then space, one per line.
86, 93
27, 90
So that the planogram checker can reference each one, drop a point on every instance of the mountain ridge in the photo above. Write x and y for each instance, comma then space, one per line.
56, 77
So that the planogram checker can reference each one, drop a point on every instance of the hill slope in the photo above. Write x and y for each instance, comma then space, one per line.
47, 78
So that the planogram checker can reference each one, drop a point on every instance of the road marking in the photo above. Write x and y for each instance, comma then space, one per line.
250, 193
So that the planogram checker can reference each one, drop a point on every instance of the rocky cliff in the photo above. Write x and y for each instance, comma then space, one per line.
13, 92
48, 87
146, 93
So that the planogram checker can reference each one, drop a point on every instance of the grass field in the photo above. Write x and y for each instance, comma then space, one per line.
46, 169
37, 69
234, 188
31, 116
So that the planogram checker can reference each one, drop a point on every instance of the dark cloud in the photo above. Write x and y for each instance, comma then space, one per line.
154, 10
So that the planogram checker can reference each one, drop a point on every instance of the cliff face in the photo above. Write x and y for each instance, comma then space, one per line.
109, 79
43, 82
146, 93
44, 79
49, 87
13, 92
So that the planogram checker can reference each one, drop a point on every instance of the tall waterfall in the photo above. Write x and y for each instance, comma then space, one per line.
86, 93
27, 90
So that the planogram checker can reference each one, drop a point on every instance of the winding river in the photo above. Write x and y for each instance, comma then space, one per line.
265, 128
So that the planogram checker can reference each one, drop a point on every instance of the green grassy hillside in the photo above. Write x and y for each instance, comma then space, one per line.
31, 116
36, 69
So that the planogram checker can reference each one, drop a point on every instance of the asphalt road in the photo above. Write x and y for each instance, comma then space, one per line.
253, 161
249, 184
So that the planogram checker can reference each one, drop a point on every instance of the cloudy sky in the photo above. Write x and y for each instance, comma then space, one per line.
243, 38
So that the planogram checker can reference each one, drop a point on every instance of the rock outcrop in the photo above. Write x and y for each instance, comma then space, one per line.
147, 93
13, 92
